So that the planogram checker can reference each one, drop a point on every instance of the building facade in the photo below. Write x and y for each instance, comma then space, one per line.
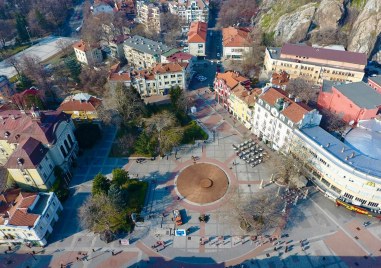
27, 218
338, 170
7, 89
33, 143
142, 52
197, 38
277, 114
235, 42
190, 10
81, 107
86, 54
316, 64
375, 82
224, 83
154, 81
352, 102
150, 15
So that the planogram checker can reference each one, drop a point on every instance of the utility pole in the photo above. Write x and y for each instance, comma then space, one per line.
27, 30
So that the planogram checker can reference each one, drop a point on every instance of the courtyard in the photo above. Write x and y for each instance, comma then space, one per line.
315, 232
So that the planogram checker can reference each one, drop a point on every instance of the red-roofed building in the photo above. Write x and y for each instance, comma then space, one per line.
27, 217
224, 83
197, 38
316, 64
235, 42
28, 98
277, 114
81, 106
33, 142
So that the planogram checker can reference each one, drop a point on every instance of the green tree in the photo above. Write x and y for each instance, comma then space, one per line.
117, 196
21, 26
33, 100
178, 99
74, 68
41, 20
101, 185
119, 176
145, 144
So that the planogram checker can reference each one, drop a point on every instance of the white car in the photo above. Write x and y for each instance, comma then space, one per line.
218, 54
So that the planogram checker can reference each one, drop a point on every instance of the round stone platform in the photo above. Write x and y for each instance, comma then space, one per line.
202, 183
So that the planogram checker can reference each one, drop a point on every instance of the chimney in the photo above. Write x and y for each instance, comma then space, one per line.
352, 155
343, 150
328, 144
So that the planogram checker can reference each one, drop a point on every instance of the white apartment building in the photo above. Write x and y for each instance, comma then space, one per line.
27, 218
150, 15
87, 55
197, 38
190, 10
235, 42
277, 114
154, 81
142, 52
343, 171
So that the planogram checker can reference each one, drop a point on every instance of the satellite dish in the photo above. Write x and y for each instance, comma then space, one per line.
351, 122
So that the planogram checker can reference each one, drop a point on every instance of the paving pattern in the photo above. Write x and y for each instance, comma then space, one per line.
319, 234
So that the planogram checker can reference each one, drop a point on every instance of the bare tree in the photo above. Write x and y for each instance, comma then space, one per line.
303, 89
171, 26
160, 123
15, 63
233, 12
332, 122
7, 31
256, 214
329, 36
288, 169
32, 68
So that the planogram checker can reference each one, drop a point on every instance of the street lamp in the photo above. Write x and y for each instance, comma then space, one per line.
27, 30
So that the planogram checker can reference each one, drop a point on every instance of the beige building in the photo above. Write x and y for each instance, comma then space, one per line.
235, 42
190, 10
87, 55
197, 38
143, 52
316, 64
150, 15
33, 143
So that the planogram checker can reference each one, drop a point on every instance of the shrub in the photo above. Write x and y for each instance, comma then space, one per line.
193, 132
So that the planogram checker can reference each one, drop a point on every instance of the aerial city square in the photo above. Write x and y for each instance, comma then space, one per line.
190, 133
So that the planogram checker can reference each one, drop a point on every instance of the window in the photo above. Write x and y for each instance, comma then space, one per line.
362, 201
349, 196
372, 204
54, 204
47, 215
337, 190
63, 151
27, 178
70, 140
67, 145
173, 75
324, 162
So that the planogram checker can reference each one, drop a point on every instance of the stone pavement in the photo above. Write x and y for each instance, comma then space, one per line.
328, 233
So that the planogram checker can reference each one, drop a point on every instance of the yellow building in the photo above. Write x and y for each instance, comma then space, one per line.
33, 143
316, 64
81, 106
242, 104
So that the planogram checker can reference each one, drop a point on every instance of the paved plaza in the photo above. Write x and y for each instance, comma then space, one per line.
316, 232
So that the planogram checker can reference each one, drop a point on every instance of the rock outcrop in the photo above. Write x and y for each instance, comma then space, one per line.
294, 26
366, 28
329, 14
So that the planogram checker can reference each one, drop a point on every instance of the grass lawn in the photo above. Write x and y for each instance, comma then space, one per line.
8, 52
137, 191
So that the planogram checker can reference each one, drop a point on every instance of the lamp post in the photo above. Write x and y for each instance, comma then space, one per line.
27, 30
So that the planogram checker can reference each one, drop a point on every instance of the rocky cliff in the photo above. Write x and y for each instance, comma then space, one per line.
293, 21
366, 29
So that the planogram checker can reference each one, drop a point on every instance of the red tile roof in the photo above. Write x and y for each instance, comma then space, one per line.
71, 104
232, 79
294, 111
17, 126
324, 54
235, 37
15, 208
197, 32
179, 57
124, 76
173, 67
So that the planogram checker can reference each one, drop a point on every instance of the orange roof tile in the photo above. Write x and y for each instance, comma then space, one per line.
125, 76
235, 37
197, 32
172, 67
294, 111
231, 78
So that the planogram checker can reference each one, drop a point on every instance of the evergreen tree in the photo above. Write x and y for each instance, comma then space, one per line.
119, 176
101, 185
117, 196
74, 68
42, 21
21, 26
